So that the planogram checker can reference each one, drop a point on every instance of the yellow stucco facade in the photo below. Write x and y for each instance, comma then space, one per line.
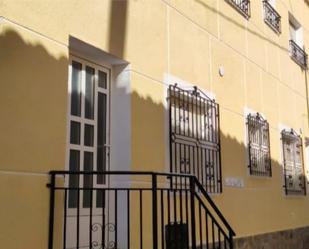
163, 41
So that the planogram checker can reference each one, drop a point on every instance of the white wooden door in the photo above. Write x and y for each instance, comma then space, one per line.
88, 150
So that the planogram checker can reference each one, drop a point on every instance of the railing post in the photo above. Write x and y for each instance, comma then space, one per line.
51, 211
192, 205
154, 211
231, 240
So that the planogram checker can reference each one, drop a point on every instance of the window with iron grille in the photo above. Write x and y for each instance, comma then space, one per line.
258, 145
195, 136
243, 6
294, 178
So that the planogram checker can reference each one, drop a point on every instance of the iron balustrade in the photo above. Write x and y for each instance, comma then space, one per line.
298, 54
294, 177
272, 17
258, 145
243, 7
140, 210
195, 136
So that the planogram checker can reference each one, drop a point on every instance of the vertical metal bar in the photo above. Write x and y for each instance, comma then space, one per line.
192, 206
213, 234
65, 218
168, 207
90, 216
231, 240
116, 216
207, 235
268, 154
180, 203
128, 218
154, 212
51, 211
172, 128
141, 218
77, 225
249, 142
103, 218
187, 215
200, 224
175, 206
162, 219
219, 145
284, 162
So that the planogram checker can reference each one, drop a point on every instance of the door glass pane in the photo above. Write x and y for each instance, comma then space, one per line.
88, 138
88, 166
75, 133
101, 140
102, 79
76, 88
73, 179
89, 92
100, 198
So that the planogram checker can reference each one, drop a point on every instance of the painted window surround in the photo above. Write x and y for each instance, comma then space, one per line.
120, 102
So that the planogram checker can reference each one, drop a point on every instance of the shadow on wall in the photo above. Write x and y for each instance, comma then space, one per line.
269, 208
33, 107
33, 104
117, 28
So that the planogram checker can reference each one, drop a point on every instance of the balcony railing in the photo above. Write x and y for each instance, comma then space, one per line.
243, 6
298, 54
133, 210
272, 17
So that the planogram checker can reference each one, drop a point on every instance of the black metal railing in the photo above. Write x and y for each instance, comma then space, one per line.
298, 54
136, 210
272, 17
243, 6
194, 124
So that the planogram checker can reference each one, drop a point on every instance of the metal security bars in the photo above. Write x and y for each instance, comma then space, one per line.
294, 178
243, 7
258, 145
195, 137
298, 54
272, 17
140, 210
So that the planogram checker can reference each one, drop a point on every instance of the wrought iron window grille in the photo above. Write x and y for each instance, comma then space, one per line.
258, 145
195, 136
242, 6
272, 17
294, 177
298, 54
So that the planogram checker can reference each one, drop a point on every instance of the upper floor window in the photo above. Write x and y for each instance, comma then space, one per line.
297, 52
195, 136
271, 16
258, 145
294, 178
243, 6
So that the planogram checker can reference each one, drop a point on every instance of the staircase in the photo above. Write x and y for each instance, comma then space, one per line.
134, 210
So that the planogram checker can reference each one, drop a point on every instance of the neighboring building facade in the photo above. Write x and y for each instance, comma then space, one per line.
90, 85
